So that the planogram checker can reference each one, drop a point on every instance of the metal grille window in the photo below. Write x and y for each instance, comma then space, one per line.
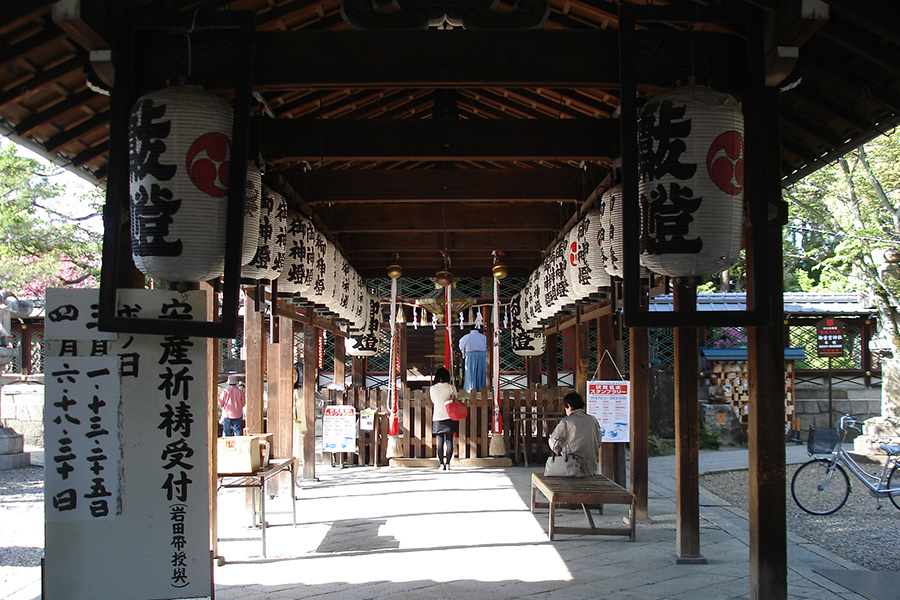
37, 351
662, 346
379, 362
726, 337
509, 361
15, 341
231, 348
804, 336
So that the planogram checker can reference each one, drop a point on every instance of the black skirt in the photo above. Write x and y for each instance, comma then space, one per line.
445, 426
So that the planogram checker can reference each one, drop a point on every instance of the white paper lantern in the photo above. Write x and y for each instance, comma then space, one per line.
366, 344
533, 301
252, 200
268, 260
584, 267
292, 275
556, 292
522, 342
179, 162
610, 238
691, 142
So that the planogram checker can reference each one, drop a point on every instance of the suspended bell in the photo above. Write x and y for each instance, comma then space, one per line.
499, 270
394, 271
443, 278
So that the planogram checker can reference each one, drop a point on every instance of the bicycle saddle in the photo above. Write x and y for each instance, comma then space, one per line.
890, 448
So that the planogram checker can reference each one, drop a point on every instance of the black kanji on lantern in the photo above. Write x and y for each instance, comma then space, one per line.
662, 141
669, 211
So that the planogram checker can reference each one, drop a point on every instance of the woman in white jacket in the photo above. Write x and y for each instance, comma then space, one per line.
442, 426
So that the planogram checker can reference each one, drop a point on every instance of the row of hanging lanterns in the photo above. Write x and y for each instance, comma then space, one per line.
179, 162
691, 204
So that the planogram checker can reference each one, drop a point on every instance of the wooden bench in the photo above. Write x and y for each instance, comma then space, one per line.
586, 491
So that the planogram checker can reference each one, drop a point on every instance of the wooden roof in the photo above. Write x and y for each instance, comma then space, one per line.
469, 141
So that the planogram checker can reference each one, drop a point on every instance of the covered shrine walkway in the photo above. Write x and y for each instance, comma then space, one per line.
468, 533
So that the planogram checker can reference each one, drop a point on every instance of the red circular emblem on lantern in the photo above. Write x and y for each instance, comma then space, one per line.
208, 164
725, 162
573, 254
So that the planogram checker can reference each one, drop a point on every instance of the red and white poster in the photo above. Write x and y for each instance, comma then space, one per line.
610, 403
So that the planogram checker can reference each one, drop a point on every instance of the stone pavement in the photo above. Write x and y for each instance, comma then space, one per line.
467, 533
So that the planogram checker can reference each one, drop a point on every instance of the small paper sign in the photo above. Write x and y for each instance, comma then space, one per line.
610, 403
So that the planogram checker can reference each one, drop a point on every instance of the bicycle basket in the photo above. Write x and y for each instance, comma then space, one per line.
822, 440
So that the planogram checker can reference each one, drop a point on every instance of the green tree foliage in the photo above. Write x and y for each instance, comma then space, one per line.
844, 218
45, 236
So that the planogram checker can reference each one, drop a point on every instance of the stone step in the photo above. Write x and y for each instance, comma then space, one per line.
15, 461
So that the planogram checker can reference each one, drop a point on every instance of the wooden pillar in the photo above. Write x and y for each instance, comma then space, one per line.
582, 354
340, 358
280, 377
533, 371
687, 433
310, 379
212, 422
640, 418
765, 355
254, 348
552, 346
358, 371
612, 455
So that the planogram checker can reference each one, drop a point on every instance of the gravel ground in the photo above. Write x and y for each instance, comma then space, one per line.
21, 528
858, 532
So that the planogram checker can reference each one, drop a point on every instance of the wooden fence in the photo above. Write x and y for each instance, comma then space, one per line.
415, 410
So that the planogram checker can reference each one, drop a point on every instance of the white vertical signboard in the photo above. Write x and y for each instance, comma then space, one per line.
126, 473
610, 403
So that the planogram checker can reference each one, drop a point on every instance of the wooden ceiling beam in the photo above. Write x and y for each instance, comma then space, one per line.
435, 139
85, 22
42, 117
836, 109
431, 185
55, 143
286, 60
49, 35
40, 80
388, 217
16, 14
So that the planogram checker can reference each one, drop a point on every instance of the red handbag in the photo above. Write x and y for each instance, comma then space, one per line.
456, 410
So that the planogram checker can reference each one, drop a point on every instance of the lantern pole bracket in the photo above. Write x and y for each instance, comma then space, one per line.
634, 295
122, 97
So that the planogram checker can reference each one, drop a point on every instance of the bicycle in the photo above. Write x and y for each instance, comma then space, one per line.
821, 486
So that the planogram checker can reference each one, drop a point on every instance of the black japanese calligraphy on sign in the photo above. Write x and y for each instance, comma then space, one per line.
82, 420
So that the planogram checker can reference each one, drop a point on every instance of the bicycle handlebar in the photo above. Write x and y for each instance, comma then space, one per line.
849, 421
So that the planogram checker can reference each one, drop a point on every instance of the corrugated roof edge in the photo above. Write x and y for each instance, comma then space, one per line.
840, 303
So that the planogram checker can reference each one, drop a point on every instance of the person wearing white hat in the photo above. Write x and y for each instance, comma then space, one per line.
232, 402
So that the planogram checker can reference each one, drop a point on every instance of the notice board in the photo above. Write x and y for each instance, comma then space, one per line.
126, 486
610, 403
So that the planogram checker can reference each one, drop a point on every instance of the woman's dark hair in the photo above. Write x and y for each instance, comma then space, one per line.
442, 375
574, 400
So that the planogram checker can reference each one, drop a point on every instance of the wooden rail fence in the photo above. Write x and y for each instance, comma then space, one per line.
415, 410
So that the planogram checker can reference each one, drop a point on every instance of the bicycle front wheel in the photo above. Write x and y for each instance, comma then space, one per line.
820, 489
893, 483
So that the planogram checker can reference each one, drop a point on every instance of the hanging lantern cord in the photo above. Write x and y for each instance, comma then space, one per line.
189, 49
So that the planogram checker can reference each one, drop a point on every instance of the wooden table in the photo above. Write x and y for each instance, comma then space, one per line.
586, 491
257, 481
520, 426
